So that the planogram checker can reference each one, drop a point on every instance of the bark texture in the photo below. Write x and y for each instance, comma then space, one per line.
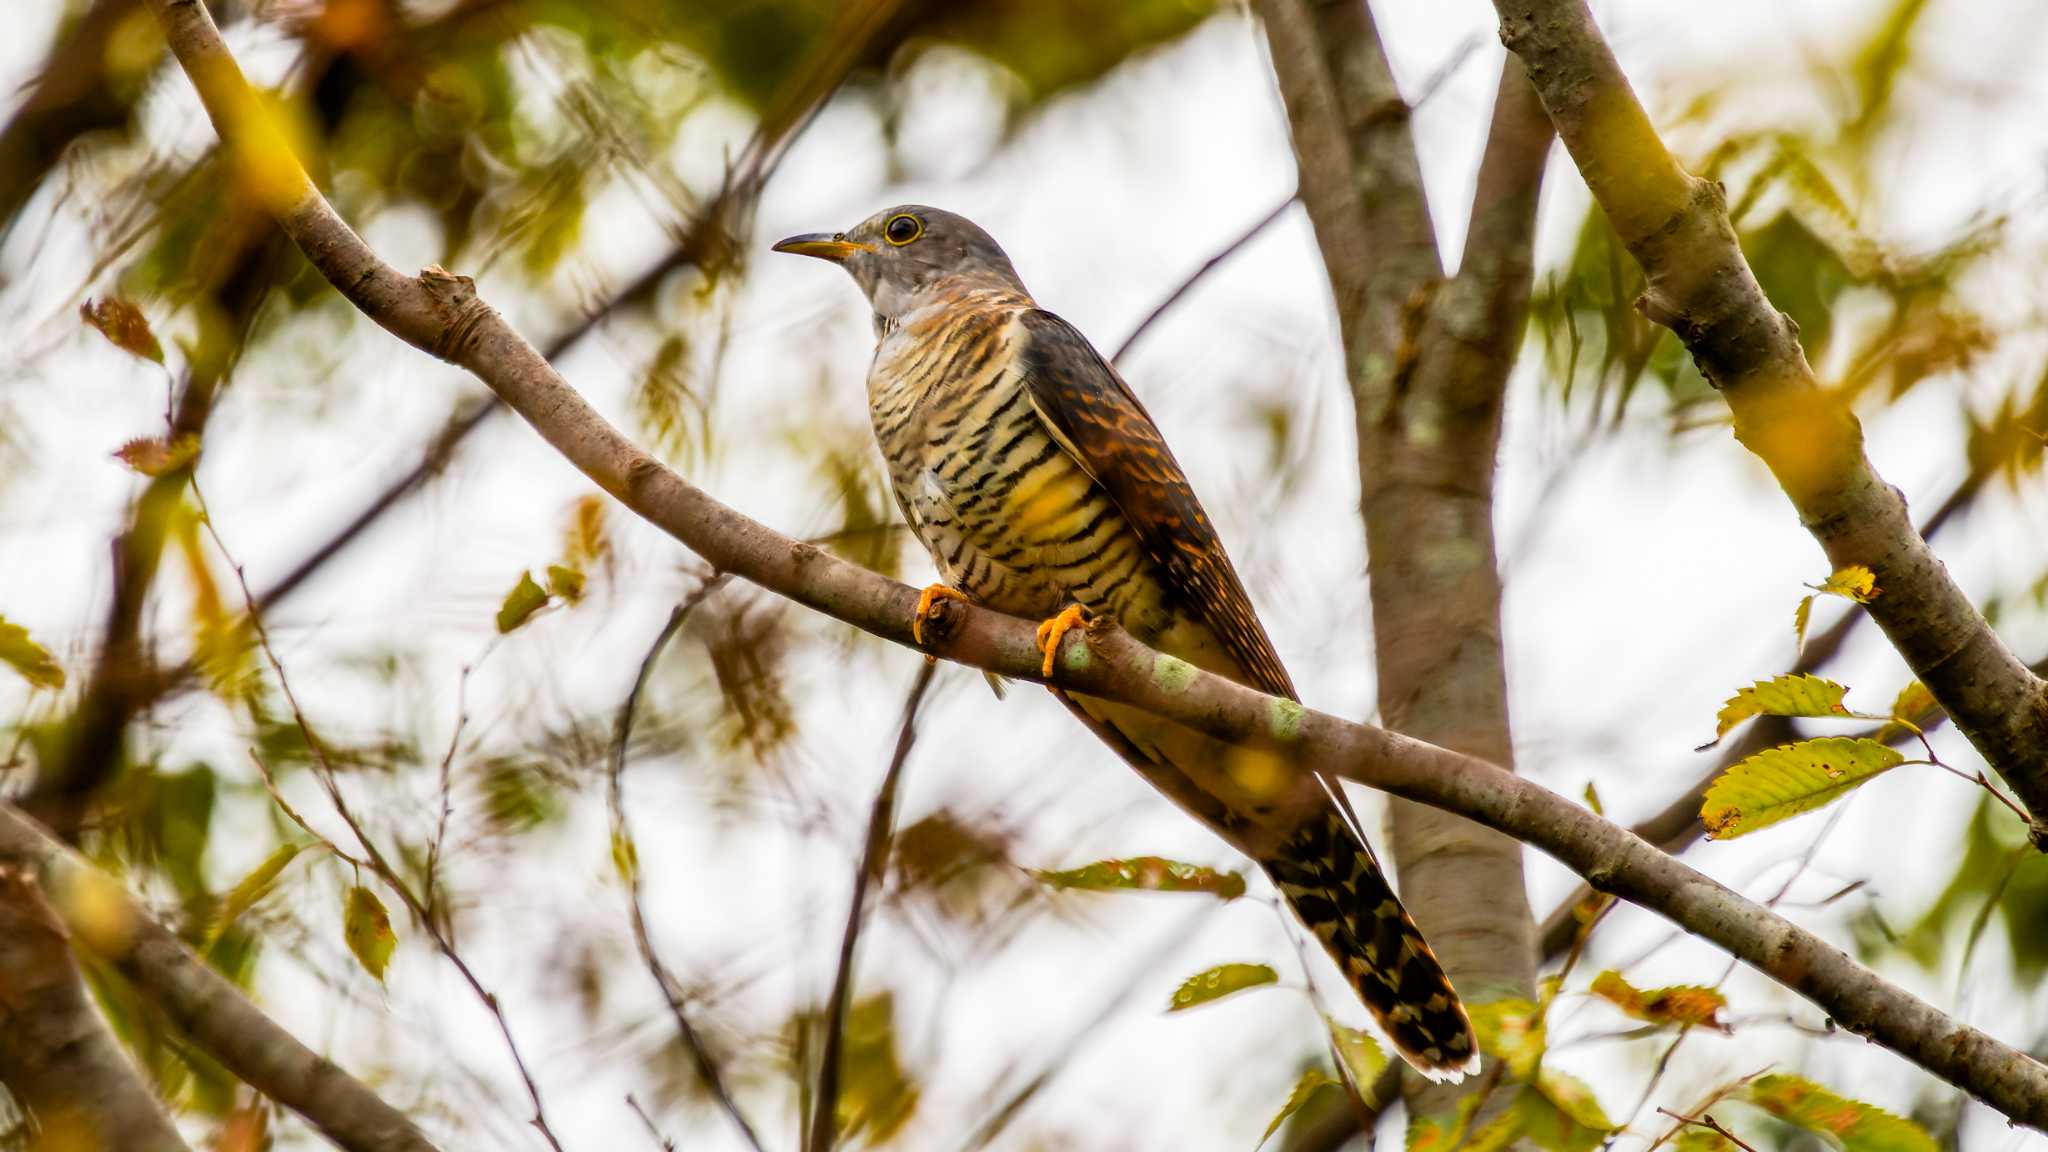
56, 1055
441, 313
1699, 286
208, 1009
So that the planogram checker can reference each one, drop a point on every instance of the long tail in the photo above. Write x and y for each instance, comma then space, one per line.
1335, 884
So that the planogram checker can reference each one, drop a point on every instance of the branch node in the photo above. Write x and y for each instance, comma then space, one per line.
461, 308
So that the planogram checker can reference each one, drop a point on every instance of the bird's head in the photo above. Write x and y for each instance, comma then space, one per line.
901, 255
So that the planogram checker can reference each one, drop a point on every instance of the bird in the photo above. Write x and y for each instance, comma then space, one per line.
1042, 488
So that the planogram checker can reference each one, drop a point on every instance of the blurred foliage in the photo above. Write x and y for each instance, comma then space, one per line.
506, 129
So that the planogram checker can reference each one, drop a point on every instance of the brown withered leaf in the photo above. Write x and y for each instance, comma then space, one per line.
124, 326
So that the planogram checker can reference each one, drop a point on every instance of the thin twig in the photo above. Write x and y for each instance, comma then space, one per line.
622, 846
1711, 1125
873, 858
1195, 277
653, 1131
323, 771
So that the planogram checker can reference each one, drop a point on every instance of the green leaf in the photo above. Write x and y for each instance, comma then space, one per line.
1510, 1030
523, 601
156, 455
1857, 1126
1312, 1081
1686, 1004
124, 326
1218, 982
29, 658
1361, 1058
247, 891
368, 929
1789, 695
1559, 1113
1692, 1138
625, 857
1783, 782
566, 583
1593, 800
1152, 873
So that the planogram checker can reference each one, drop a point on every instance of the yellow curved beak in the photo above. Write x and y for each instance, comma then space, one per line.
837, 249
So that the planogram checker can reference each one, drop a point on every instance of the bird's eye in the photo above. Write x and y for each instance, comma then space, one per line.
902, 229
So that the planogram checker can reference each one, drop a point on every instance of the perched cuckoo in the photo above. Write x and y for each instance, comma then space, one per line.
1042, 489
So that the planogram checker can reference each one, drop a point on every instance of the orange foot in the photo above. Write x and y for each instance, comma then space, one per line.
1052, 631
925, 599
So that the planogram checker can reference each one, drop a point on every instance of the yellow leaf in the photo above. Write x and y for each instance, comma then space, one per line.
1686, 1004
124, 326
566, 583
585, 540
1593, 800
21, 653
1852, 583
1312, 1081
1800, 618
1782, 782
1789, 695
1152, 873
1512, 1031
1856, 1126
525, 598
1913, 710
1560, 1114
1218, 982
367, 927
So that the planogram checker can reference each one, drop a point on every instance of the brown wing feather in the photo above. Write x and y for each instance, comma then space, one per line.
1095, 416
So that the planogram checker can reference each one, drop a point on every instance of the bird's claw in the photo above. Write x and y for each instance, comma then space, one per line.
932, 594
1052, 631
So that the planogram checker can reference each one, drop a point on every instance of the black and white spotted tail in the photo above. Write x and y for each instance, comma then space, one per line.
1335, 885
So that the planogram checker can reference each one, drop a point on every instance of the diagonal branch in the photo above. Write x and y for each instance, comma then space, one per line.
55, 1053
214, 1013
1677, 228
873, 859
440, 313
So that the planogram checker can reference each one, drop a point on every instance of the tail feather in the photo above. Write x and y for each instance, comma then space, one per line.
1335, 884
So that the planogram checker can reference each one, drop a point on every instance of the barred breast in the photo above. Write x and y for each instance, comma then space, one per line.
1008, 516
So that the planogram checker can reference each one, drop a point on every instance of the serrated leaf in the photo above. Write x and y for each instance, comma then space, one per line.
1512, 1031
1852, 583
566, 583
155, 455
1312, 1081
248, 890
525, 598
1686, 1004
1559, 1113
33, 661
1150, 873
1779, 783
367, 928
1218, 982
1802, 616
1788, 695
1361, 1058
124, 326
1857, 1126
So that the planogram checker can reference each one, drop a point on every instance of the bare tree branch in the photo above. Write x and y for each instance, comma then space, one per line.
55, 1053
687, 1033
440, 313
213, 1012
1677, 228
873, 859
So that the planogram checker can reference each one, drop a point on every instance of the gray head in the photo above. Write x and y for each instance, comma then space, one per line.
901, 256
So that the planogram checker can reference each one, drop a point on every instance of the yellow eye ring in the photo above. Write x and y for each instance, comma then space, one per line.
902, 228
